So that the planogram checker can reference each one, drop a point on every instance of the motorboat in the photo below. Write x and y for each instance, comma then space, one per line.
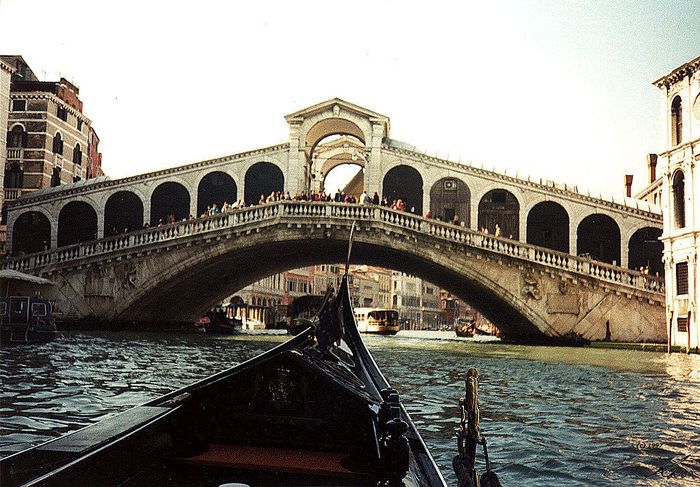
24, 318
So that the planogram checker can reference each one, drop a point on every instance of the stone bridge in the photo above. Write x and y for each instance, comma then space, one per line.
175, 272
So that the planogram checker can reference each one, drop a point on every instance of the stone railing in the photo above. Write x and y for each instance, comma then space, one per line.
335, 213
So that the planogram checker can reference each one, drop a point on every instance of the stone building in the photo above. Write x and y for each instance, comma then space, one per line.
6, 72
48, 136
676, 187
406, 298
430, 306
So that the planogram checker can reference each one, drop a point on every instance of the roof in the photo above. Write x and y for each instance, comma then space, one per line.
319, 107
12, 275
64, 187
678, 73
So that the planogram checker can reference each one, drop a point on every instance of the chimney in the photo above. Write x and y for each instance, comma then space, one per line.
628, 184
651, 164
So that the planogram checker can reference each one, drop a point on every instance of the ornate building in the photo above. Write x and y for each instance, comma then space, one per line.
49, 140
676, 189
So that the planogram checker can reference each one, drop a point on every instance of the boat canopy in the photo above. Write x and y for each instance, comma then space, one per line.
12, 275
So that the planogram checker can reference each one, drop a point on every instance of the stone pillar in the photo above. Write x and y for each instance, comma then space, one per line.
373, 154
147, 210
100, 224
573, 237
294, 179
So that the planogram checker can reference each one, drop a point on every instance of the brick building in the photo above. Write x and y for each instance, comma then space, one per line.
48, 138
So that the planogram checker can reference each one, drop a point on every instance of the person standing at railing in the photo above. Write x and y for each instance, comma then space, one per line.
364, 198
497, 232
375, 198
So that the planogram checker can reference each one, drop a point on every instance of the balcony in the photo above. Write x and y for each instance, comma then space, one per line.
15, 154
58, 161
12, 194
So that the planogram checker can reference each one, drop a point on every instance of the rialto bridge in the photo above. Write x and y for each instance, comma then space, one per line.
90, 238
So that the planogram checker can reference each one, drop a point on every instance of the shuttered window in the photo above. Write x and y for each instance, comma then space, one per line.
682, 325
682, 278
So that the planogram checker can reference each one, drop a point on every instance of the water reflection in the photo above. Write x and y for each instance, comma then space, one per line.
553, 416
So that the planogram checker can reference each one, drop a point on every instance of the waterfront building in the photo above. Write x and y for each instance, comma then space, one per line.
47, 135
406, 298
430, 306
676, 188
6, 72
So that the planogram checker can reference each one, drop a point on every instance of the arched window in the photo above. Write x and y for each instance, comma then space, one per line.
676, 121
77, 222
14, 176
678, 190
58, 144
17, 137
261, 179
77, 155
598, 237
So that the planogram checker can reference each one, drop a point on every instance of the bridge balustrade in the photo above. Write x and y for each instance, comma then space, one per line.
298, 210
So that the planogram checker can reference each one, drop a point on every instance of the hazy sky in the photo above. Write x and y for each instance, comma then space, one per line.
555, 89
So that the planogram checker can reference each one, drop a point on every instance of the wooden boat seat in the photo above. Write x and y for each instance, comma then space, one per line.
272, 459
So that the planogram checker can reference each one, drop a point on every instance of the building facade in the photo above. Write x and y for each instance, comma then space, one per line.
47, 134
676, 188
6, 72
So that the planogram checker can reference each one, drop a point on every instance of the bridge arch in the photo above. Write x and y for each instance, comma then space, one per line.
289, 249
215, 187
548, 226
646, 250
77, 222
334, 125
598, 237
31, 232
500, 207
123, 212
405, 183
450, 196
262, 178
170, 200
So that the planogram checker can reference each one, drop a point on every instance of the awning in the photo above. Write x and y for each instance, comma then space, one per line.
10, 275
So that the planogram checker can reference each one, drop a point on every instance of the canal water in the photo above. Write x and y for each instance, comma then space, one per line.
552, 415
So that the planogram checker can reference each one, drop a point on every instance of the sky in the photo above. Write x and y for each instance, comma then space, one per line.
558, 90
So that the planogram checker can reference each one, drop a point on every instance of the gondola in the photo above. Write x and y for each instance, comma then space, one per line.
315, 410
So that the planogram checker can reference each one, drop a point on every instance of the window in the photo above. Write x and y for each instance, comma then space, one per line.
58, 144
62, 113
56, 177
14, 176
676, 121
17, 137
678, 189
39, 309
19, 105
80, 125
682, 324
77, 155
682, 278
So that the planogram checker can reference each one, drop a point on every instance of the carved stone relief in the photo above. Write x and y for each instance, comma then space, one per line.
531, 288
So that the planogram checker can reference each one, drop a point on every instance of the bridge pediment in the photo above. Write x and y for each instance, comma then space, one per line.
335, 117
335, 106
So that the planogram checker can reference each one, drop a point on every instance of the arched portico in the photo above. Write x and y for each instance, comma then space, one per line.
170, 201
31, 232
598, 237
406, 184
450, 196
499, 213
77, 222
262, 179
215, 188
548, 226
123, 213
646, 250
